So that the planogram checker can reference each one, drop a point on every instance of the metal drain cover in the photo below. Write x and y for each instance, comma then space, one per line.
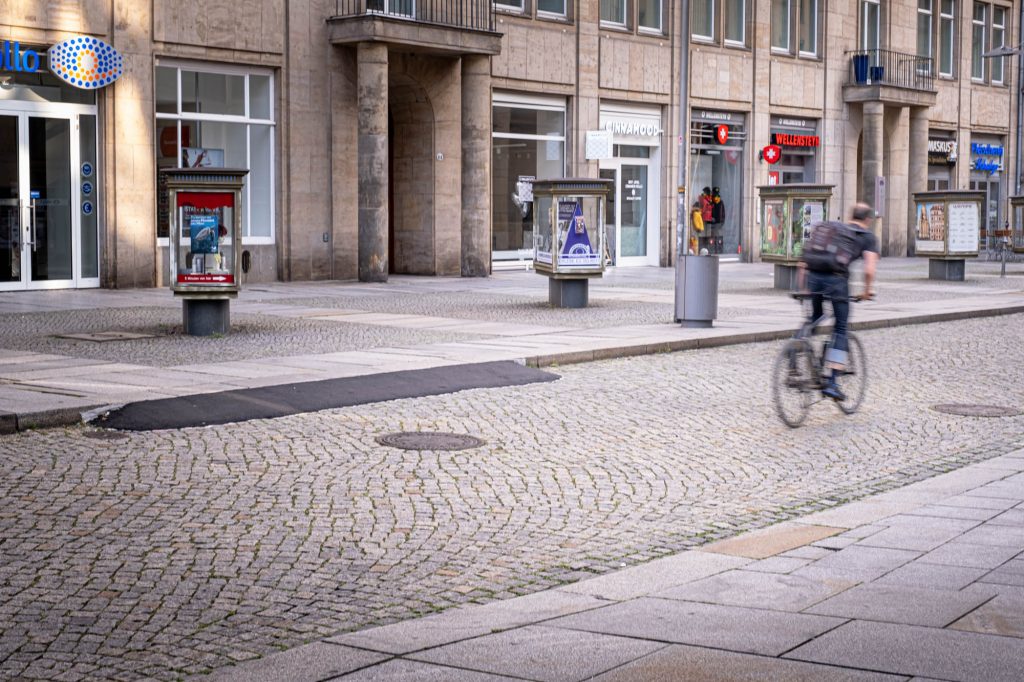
968, 410
427, 440
106, 435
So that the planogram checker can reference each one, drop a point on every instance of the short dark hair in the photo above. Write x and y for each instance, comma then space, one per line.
862, 212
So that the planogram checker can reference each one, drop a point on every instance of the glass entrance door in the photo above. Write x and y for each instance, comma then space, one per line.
39, 190
628, 214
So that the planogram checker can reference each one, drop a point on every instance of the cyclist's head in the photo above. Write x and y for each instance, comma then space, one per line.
861, 213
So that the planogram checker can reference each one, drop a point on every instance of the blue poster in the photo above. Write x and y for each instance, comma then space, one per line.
203, 233
577, 249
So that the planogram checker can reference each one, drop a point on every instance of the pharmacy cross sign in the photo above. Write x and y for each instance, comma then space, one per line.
771, 153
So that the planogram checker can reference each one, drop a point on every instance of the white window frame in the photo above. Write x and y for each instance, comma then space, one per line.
950, 21
743, 25
814, 30
930, 33
992, 45
610, 23
179, 116
548, 14
700, 37
788, 47
660, 29
864, 5
507, 6
983, 23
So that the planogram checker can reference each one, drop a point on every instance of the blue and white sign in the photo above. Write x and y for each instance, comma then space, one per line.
13, 58
577, 249
87, 207
86, 169
987, 157
87, 188
86, 62
34, 194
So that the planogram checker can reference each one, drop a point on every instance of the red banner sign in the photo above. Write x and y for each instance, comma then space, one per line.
185, 278
787, 140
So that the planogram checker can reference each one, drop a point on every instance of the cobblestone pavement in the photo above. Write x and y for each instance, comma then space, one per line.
171, 553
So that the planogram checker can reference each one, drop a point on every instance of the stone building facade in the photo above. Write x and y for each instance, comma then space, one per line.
403, 136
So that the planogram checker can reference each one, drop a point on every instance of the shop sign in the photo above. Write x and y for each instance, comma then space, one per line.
987, 157
942, 150
634, 127
772, 153
716, 116
773, 177
83, 62
789, 140
722, 133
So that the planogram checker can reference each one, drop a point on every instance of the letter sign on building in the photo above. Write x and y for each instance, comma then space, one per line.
722, 133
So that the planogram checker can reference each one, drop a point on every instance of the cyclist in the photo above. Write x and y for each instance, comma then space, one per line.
824, 273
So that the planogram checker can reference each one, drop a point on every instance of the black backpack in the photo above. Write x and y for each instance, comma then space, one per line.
831, 247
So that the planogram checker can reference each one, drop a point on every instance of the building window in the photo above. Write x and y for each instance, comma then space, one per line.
988, 32
803, 24
649, 15
613, 12
871, 22
528, 142
924, 28
710, 19
947, 33
219, 117
551, 7
511, 5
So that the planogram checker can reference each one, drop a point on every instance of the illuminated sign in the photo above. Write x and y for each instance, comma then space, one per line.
85, 62
789, 140
14, 58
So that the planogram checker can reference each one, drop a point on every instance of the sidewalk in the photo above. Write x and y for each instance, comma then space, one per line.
924, 582
63, 353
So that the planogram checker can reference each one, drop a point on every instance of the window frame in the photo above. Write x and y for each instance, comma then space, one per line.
975, 24
988, 27
610, 23
651, 30
1002, 28
718, 25
815, 14
794, 32
950, 20
179, 115
788, 47
930, 33
864, 5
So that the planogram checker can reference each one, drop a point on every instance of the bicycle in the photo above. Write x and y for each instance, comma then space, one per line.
798, 374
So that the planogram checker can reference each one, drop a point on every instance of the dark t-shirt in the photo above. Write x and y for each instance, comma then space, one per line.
854, 240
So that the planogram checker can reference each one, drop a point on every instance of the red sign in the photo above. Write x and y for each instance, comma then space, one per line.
785, 139
722, 133
773, 177
185, 278
772, 153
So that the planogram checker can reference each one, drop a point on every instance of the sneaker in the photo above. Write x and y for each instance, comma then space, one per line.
833, 391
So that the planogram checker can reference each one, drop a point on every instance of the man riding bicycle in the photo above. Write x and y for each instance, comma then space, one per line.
824, 273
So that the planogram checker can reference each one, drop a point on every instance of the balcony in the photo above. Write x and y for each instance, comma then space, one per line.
891, 77
452, 27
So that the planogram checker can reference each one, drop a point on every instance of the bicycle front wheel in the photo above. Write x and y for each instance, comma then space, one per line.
793, 382
853, 381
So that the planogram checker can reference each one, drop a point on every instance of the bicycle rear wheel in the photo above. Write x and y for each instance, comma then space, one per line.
853, 381
793, 382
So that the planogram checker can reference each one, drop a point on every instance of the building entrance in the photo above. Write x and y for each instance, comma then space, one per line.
48, 199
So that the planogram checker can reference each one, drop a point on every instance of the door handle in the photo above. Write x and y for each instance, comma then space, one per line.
32, 222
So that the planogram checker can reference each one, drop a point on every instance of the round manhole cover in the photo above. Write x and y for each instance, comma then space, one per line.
968, 410
105, 435
425, 440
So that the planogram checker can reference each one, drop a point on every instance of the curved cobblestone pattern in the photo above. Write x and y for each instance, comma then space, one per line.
171, 553
252, 336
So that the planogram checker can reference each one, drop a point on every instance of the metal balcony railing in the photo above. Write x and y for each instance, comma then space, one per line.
469, 14
885, 67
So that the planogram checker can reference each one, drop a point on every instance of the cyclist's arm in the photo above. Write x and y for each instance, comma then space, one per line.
801, 276
870, 263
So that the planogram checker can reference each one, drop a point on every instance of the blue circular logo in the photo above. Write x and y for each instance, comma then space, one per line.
86, 169
87, 188
87, 208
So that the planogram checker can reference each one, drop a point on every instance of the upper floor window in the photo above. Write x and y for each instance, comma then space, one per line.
646, 15
935, 38
795, 27
988, 32
870, 24
714, 20
545, 8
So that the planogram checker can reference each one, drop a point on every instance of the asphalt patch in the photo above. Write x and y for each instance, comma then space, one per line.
241, 405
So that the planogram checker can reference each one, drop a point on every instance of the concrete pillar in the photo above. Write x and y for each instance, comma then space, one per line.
918, 172
372, 77
874, 149
476, 166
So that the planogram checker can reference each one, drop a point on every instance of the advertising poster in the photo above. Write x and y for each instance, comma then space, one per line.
931, 228
964, 227
576, 247
773, 233
203, 233
199, 157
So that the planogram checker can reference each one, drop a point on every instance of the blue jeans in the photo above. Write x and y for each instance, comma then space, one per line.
836, 289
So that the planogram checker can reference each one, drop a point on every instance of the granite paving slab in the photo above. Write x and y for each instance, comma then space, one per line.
724, 627
899, 604
416, 671
1002, 615
678, 662
915, 650
918, 533
541, 653
761, 544
463, 623
943, 511
758, 590
959, 553
1002, 536
934, 576
1011, 517
309, 663
860, 563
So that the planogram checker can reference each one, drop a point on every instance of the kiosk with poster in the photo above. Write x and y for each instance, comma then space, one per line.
569, 236
205, 234
947, 230
787, 214
1017, 224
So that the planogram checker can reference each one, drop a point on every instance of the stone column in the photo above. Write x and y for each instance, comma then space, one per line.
476, 166
874, 149
918, 180
372, 76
